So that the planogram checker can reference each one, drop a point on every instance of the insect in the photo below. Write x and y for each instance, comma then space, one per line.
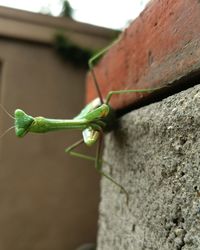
97, 118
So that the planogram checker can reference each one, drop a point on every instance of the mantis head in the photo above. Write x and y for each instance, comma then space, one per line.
22, 122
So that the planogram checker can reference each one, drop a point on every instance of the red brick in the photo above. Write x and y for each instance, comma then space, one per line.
160, 46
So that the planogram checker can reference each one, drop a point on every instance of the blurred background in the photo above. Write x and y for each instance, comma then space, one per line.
48, 199
111, 14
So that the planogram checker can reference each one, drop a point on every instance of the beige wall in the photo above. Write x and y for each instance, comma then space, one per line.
48, 200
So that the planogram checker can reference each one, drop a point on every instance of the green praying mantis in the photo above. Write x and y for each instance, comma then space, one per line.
97, 118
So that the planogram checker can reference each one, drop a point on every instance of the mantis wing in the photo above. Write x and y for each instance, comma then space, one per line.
88, 108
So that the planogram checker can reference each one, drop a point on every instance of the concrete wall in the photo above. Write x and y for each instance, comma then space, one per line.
48, 200
155, 155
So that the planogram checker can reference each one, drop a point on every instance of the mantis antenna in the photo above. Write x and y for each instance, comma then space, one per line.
5, 132
2, 107
9, 115
91, 67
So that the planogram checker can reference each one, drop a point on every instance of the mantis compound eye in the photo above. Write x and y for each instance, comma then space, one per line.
22, 122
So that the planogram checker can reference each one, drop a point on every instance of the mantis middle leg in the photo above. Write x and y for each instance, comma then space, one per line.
119, 92
71, 151
97, 160
98, 166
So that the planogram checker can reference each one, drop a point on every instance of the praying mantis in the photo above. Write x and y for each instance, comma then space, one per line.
96, 119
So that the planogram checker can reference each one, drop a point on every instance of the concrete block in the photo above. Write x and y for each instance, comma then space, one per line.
155, 155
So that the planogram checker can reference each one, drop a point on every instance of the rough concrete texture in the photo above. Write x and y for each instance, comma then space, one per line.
155, 155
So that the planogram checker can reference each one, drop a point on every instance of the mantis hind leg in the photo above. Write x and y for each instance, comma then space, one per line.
91, 67
98, 166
